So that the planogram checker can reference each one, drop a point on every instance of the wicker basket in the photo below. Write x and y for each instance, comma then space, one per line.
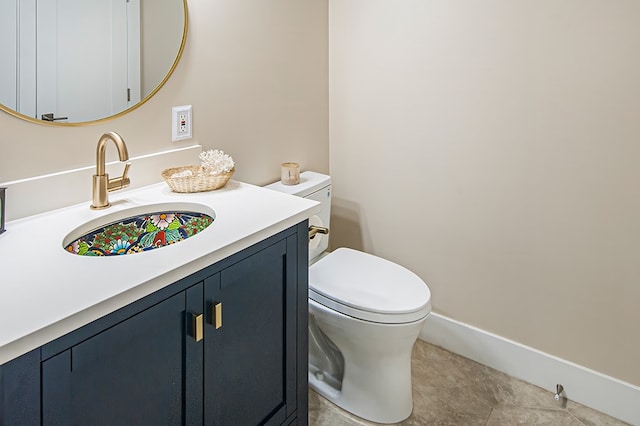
199, 182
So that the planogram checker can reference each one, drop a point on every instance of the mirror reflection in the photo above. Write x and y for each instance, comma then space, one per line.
77, 61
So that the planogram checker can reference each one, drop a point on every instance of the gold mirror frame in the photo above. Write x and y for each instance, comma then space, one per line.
123, 112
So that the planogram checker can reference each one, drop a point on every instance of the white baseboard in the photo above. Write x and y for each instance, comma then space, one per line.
583, 385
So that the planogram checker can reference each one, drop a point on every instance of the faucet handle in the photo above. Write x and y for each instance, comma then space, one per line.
126, 171
125, 179
122, 181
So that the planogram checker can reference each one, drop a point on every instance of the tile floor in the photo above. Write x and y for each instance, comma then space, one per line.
452, 390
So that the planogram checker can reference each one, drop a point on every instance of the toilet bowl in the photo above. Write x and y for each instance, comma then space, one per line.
365, 315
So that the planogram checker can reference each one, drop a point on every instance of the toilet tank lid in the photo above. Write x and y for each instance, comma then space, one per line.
369, 283
310, 182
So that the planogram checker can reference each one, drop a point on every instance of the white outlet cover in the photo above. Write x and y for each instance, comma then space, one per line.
181, 123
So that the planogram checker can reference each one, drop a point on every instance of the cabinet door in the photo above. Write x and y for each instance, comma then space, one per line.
246, 358
132, 373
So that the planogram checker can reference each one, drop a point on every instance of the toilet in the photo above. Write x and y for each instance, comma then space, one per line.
365, 315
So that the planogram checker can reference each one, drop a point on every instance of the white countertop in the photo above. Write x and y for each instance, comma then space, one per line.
46, 292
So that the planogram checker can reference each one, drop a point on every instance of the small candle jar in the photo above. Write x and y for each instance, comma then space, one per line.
290, 173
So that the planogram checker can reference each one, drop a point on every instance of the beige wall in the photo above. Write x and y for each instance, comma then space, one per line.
256, 75
493, 147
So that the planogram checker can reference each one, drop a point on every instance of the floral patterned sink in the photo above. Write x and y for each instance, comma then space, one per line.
139, 232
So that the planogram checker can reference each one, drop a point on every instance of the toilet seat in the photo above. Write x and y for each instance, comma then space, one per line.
369, 288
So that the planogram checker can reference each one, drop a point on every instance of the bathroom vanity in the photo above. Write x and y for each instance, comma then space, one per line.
210, 331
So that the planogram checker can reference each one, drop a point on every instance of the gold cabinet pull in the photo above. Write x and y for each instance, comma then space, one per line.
217, 315
198, 326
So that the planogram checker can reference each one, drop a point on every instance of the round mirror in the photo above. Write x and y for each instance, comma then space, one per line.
77, 62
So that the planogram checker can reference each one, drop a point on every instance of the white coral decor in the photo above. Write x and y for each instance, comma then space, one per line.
216, 161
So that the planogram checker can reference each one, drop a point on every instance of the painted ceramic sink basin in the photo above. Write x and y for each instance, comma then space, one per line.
139, 229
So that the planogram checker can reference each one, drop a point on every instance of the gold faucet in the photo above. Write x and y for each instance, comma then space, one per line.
101, 182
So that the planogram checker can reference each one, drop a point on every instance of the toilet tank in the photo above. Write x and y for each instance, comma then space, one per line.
317, 187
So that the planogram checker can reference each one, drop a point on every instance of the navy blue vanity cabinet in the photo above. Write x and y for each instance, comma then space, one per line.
224, 346
246, 335
132, 373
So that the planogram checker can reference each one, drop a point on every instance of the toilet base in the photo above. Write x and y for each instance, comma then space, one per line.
376, 384
389, 408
